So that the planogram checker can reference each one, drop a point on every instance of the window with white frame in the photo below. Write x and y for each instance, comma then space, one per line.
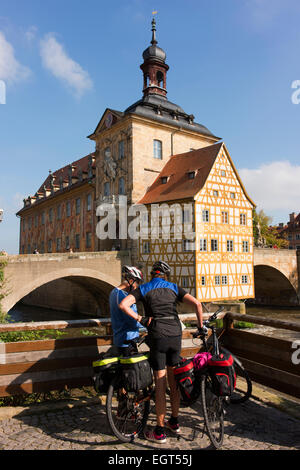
224, 280
203, 244
230, 245
243, 219
214, 244
205, 215
223, 173
245, 246
215, 193
217, 280
224, 217
187, 245
232, 195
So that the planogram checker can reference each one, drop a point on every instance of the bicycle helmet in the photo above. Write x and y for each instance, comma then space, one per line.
131, 272
161, 267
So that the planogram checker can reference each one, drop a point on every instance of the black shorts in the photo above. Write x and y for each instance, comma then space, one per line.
164, 351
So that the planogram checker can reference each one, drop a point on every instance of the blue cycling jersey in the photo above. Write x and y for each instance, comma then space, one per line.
124, 327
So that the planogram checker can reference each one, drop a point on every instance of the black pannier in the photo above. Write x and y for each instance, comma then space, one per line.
136, 372
104, 370
222, 373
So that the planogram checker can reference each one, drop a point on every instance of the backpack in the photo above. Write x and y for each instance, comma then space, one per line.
104, 370
222, 373
185, 379
136, 372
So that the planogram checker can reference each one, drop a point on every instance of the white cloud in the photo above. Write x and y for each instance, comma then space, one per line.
274, 187
56, 60
10, 69
31, 33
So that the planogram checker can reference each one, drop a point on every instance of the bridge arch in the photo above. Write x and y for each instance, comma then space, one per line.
97, 283
273, 286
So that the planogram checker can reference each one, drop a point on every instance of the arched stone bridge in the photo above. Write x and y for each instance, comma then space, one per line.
55, 280
81, 281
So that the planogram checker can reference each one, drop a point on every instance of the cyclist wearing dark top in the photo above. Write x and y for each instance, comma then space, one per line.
159, 297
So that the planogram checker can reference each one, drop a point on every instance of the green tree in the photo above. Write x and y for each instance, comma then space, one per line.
263, 232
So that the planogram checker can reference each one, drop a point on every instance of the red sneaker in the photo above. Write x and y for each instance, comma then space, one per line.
152, 436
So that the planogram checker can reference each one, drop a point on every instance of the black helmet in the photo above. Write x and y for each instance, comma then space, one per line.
161, 267
131, 272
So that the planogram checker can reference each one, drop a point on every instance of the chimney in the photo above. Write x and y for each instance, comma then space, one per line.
292, 217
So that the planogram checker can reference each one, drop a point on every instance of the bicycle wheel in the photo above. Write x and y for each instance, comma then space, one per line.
243, 388
213, 412
127, 412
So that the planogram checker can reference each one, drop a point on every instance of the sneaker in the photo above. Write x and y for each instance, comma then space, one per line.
173, 427
152, 436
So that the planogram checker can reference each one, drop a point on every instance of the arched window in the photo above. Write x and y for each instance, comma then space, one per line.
160, 79
121, 186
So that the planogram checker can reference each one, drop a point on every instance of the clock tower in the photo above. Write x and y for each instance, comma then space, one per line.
154, 67
133, 146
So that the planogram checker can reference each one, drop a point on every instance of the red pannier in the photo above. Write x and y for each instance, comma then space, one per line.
222, 373
185, 378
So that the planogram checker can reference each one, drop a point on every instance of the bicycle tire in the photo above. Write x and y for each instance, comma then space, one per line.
243, 390
213, 412
133, 421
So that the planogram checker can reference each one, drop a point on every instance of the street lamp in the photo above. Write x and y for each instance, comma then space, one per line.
1, 215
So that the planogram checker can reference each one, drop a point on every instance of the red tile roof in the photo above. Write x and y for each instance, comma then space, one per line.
179, 185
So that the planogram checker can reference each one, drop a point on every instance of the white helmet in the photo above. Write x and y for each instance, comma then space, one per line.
131, 272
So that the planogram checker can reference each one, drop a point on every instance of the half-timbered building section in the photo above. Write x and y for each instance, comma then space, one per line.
224, 235
210, 241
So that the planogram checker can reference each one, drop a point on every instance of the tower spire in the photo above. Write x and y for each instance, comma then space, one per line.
154, 41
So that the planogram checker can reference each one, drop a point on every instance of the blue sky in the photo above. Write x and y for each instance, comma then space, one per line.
232, 65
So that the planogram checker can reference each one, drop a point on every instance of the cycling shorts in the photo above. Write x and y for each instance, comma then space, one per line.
164, 351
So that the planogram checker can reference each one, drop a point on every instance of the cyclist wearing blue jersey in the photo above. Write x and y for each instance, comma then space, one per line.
124, 327
159, 297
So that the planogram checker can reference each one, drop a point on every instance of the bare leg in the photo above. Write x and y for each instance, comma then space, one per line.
160, 396
174, 392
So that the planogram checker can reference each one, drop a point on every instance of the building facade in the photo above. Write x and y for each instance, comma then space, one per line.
153, 152
60, 216
291, 231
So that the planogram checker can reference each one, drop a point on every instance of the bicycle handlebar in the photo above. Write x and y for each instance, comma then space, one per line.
207, 324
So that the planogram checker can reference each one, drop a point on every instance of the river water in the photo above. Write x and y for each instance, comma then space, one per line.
24, 313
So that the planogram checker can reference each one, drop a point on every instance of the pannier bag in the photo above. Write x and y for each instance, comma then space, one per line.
185, 379
222, 373
136, 372
104, 369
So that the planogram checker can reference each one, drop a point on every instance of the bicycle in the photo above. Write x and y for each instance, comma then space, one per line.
127, 412
243, 389
212, 404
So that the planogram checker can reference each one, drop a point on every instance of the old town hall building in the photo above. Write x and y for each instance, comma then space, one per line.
153, 152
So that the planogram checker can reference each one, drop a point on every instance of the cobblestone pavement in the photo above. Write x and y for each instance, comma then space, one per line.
252, 425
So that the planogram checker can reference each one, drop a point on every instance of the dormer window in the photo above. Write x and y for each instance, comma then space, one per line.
191, 175
164, 179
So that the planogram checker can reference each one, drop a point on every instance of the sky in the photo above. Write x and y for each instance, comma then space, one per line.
234, 64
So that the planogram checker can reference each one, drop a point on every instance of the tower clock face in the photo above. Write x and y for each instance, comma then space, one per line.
108, 120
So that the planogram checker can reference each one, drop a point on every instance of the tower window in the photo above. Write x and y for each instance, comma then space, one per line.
157, 149
160, 79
